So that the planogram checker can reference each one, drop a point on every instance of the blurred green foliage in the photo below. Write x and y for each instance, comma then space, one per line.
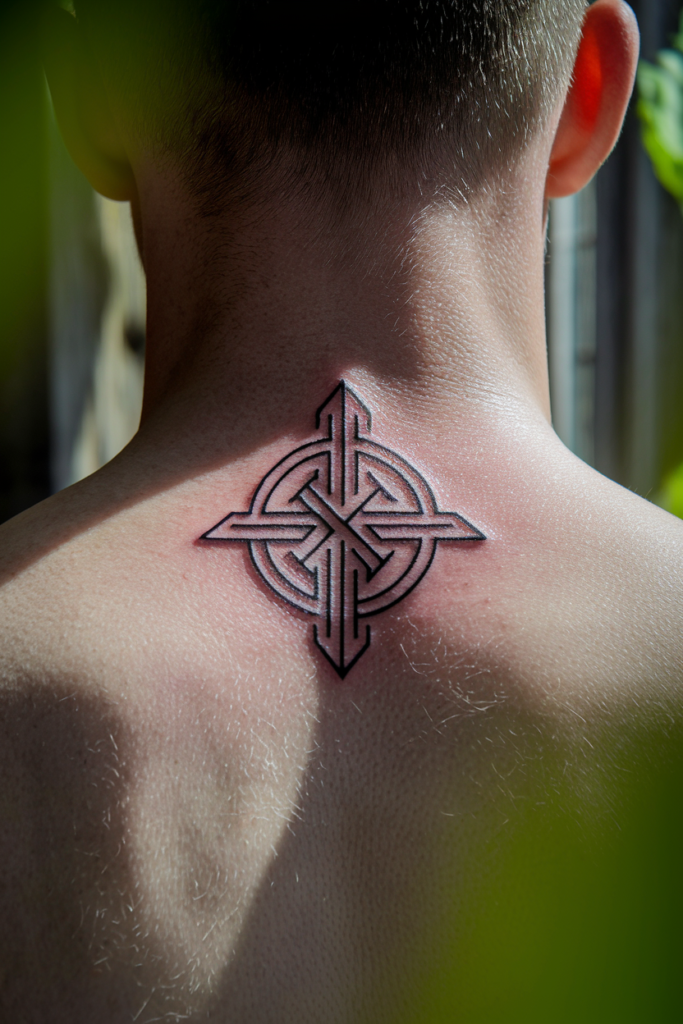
576, 916
660, 109
670, 496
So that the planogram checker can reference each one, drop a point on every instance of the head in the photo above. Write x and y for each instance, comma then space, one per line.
445, 95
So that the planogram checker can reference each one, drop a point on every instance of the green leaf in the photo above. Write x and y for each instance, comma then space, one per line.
660, 109
671, 495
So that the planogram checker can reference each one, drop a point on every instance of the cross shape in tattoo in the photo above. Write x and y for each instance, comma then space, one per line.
343, 528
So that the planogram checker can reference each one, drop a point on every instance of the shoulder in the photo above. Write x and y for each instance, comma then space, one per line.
577, 591
107, 581
597, 587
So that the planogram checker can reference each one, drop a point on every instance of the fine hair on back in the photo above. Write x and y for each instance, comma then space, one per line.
452, 88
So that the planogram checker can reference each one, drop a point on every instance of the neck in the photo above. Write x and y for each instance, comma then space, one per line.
254, 316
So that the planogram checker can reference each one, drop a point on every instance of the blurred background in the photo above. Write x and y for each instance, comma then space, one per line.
72, 294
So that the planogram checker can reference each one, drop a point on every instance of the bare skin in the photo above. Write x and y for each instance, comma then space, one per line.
204, 823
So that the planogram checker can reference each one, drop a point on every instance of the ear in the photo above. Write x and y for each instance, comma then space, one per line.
598, 97
82, 109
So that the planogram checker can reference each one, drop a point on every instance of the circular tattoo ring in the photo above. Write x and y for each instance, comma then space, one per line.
343, 528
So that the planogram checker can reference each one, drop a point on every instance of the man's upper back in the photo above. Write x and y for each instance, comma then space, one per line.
203, 814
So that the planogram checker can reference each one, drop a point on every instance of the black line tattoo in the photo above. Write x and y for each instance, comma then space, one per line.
343, 528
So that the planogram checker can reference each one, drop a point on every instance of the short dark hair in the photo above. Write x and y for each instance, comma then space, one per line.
226, 85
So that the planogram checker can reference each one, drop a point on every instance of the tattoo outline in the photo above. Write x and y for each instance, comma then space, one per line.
343, 528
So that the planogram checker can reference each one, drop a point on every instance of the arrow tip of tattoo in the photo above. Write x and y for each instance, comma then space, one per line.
346, 393
342, 670
221, 530
472, 532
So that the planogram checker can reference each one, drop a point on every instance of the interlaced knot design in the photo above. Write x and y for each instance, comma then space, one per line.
343, 528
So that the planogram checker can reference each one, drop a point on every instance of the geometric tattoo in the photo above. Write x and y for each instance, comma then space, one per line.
343, 528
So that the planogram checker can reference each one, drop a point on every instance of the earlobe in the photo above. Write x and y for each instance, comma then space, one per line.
82, 109
598, 97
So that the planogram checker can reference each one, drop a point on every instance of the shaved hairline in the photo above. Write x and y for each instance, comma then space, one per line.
450, 90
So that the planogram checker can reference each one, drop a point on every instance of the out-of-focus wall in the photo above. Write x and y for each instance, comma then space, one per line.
112, 411
571, 286
97, 323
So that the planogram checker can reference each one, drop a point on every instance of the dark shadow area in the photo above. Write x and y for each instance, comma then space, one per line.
24, 386
63, 776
